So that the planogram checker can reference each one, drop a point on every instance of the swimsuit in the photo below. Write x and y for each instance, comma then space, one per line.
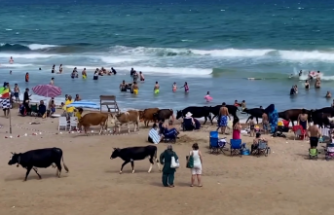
84, 76
314, 141
223, 121
135, 91
156, 91
303, 124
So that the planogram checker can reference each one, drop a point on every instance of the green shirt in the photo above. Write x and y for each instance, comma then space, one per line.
166, 159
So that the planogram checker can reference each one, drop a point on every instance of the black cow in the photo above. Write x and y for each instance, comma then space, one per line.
41, 158
163, 114
215, 110
131, 154
320, 116
254, 112
197, 112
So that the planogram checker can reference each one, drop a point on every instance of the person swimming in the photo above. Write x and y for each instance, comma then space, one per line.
156, 88
113, 71
27, 77
84, 73
307, 84
186, 87
328, 95
123, 86
207, 97
292, 91
141, 75
174, 87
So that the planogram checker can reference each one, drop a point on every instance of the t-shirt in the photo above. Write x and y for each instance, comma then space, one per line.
68, 109
78, 115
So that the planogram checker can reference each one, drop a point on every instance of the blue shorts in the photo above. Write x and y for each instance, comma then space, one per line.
223, 121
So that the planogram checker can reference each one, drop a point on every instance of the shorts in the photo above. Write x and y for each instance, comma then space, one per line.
314, 141
265, 126
135, 91
156, 91
196, 171
16, 95
223, 121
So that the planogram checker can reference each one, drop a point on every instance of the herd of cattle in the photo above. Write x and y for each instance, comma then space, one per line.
43, 158
319, 116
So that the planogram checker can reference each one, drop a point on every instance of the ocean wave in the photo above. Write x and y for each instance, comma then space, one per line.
20, 47
170, 70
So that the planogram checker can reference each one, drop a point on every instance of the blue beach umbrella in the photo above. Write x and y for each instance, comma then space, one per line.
84, 104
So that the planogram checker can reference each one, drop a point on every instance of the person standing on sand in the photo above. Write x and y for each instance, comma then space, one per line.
303, 119
167, 171
196, 171
265, 122
223, 118
314, 134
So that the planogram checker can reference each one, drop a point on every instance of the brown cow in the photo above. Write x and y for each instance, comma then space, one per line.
94, 119
130, 116
147, 115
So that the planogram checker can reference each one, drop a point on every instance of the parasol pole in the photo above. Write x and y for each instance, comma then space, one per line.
10, 121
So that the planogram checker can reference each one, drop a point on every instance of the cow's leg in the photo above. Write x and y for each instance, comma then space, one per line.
257, 120
205, 118
133, 166
128, 125
58, 164
293, 124
125, 162
28, 171
209, 116
248, 118
35, 169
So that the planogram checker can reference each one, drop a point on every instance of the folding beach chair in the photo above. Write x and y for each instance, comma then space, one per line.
73, 123
62, 123
300, 133
262, 148
217, 145
236, 146
34, 110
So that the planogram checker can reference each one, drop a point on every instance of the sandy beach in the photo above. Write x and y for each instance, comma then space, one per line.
285, 182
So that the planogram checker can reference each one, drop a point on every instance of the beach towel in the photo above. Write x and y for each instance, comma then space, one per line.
223, 121
273, 118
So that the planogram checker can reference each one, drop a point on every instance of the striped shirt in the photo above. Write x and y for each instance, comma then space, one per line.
154, 135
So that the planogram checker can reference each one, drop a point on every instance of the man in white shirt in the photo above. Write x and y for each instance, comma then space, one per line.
153, 135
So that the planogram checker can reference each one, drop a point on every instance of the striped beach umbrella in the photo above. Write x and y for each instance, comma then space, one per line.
47, 90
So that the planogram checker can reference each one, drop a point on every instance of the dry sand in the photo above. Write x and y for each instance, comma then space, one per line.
285, 182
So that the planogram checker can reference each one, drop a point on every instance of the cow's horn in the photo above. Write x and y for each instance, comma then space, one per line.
114, 149
12, 153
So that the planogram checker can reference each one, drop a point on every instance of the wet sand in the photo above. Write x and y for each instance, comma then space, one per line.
285, 182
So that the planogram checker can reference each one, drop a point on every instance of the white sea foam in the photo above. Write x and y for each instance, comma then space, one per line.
114, 59
40, 46
171, 70
15, 65
27, 56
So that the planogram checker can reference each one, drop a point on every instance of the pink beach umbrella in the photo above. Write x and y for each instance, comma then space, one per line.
47, 90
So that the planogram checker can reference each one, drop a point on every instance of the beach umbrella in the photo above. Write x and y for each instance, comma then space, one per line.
84, 104
47, 90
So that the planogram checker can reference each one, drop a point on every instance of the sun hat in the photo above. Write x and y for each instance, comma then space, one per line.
189, 114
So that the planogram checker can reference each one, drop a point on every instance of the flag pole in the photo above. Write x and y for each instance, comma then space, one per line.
10, 121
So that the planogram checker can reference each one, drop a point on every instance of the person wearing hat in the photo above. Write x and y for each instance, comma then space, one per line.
167, 171
189, 116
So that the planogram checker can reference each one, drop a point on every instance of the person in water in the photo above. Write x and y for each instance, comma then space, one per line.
300, 73
132, 72
328, 95
77, 97
292, 91
186, 87
307, 84
317, 83
296, 89
141, 76
123, 86
113, 71
207, 97
27, 77
135, 88
174, 87
11, 60
96, 75
53, 69
10, 72
60, 68
52, 81
84, 73
156, 88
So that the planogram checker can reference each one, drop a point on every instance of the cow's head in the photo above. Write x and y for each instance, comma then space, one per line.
15, 159
179, 114
115, 153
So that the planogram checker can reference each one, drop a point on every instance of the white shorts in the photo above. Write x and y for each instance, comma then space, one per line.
196, 171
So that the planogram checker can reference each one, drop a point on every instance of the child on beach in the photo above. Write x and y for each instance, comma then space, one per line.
11, 60
16, 92
174, 87
142, 78
156, 88
84, 73
251, 125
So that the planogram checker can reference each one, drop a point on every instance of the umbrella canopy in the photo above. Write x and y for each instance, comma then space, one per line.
84, 104
47, 90
4, 92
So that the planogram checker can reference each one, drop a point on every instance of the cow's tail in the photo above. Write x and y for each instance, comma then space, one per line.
66, 168
156, 159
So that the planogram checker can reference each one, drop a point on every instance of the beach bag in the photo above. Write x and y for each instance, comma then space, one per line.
190, 162
173, 163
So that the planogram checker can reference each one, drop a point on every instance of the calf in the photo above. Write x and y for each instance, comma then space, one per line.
131, 116
131, 154
41, 158
292, 115
94, 119
197, 112
163, 114
148, 115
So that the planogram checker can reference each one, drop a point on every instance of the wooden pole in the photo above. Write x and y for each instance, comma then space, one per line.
10, 121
